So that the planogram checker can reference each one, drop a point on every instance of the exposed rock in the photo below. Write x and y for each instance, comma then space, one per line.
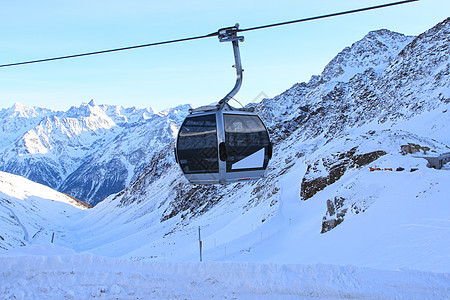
335, 165
341, 208
412, 148
79, 202
335, 214
160, 165
192, 201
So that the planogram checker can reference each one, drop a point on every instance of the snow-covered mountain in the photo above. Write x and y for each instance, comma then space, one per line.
89, 151
345, 199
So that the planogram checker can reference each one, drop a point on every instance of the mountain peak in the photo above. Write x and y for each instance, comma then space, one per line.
375, 50
86, 110
19, 107
382, 33
19, 110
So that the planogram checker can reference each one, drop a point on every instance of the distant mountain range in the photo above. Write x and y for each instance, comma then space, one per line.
89, 151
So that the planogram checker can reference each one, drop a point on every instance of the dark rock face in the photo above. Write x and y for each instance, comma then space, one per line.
37, 170
192, 201
412, 148
97, 182
335, 165
335, 214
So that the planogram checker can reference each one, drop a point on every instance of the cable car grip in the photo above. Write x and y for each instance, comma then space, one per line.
229, 34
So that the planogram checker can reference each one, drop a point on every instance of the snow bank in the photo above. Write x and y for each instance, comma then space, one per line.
46, 272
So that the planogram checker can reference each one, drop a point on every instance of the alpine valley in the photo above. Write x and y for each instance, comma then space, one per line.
347, 208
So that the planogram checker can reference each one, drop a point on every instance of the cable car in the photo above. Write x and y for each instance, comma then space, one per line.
220, 143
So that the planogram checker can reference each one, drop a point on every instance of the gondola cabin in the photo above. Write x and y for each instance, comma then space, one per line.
223, 146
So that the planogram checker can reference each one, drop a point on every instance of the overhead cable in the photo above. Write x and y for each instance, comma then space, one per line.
209, 35
329, 15
107, 51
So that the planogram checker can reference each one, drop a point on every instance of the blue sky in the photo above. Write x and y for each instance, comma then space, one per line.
197, 72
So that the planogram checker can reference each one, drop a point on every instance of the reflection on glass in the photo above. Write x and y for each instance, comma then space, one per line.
197, 145
245, 135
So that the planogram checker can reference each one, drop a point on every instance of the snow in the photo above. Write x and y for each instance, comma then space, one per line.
397, 249
432, 123
51, 272
19, 188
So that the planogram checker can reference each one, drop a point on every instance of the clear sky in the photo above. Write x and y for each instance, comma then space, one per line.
197, 72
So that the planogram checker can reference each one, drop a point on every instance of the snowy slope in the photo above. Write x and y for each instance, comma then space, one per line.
31, 212
286, 258
394, 219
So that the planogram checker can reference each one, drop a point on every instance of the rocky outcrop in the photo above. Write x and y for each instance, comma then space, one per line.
338, 208
412, 148
192, 201
330, 169
335, 214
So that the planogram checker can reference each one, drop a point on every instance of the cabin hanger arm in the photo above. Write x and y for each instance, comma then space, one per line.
229, 34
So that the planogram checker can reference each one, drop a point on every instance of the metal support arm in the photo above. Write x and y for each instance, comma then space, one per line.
230, 35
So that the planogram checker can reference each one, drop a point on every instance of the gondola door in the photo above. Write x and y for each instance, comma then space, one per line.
197, 148
248, 146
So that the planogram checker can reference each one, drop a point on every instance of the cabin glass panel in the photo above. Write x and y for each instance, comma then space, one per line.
197, 145
247, 142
